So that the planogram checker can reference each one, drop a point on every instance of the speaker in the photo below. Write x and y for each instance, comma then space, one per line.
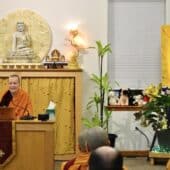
43, 117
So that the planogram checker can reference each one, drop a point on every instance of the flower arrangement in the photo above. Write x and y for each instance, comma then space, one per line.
155, 111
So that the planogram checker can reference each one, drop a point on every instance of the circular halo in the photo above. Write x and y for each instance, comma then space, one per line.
36, 26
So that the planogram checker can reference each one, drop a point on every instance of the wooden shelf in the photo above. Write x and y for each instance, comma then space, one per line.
136, 153
159, 155
153, 156
2, 70
123, 108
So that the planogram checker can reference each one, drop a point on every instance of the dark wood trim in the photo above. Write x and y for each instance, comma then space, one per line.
136, 153
124, 108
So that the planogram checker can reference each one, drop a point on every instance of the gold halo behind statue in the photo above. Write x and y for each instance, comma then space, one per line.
36, 27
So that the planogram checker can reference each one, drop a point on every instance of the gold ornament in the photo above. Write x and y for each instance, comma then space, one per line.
73, 63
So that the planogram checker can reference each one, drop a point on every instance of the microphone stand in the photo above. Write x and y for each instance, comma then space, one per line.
147, 139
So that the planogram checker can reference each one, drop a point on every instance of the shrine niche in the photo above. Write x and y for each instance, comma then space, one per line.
26, 37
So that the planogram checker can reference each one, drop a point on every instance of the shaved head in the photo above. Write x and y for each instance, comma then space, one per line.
106, 158
13, 83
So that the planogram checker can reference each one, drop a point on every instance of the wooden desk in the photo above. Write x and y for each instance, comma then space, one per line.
34, 146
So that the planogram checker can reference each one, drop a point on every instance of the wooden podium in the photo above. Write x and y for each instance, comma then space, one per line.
34, 146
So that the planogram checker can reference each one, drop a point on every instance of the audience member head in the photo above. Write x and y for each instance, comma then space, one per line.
82, 140
105, 158
13, 83
96, 137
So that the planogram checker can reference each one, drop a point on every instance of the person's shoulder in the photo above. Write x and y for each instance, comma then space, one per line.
66, 165
22, 92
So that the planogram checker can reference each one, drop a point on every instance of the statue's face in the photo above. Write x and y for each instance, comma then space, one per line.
13, 84
20, 27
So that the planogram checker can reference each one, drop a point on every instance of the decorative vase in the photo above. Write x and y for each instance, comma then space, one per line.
164, 138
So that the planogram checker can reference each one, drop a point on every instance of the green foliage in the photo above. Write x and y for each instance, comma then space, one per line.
102, 86
154, 112
94, 121
104, 79
102, 50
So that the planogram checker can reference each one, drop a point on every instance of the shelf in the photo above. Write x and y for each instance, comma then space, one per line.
153, 156
159, 155
123, 108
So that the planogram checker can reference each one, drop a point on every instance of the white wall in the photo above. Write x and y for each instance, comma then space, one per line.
92, 15
167, 11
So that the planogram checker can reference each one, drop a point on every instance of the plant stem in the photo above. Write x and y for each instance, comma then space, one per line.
101, 90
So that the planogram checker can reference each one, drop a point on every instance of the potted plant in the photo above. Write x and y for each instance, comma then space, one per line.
155, 112
95, 106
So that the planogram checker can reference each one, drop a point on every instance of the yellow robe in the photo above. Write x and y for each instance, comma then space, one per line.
21, 104
79, 163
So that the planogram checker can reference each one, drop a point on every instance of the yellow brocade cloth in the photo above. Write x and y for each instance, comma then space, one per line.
61, 91
165, 52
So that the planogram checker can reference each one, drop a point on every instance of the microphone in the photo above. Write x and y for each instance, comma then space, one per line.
146, 137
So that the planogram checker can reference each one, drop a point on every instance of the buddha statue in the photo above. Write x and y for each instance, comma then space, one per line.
21, 44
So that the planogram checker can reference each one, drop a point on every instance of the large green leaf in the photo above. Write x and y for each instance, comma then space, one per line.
102, 50
96, 79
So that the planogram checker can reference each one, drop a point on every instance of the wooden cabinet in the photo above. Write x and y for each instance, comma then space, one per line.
63, 86
34, 146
